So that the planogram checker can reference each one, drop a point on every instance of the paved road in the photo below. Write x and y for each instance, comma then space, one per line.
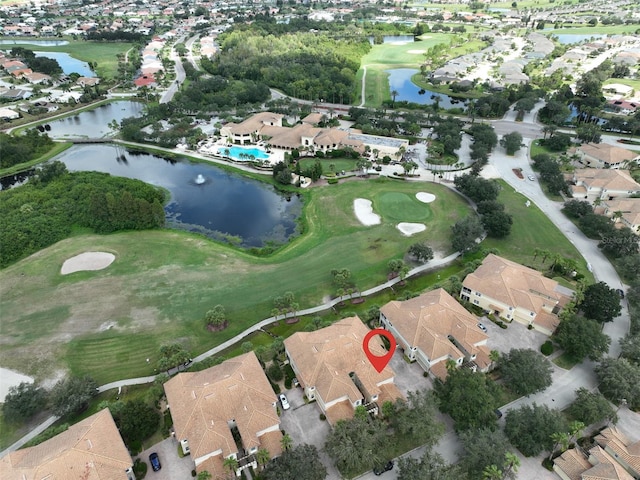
180, 75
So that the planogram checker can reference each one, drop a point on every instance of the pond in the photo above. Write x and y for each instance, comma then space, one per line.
400, 81
568, 38
94, 123
204, 198
40, 43
68, 63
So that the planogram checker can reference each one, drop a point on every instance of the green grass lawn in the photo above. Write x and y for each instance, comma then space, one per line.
635, 84
532, 228
346, 164
107, 323
105, 53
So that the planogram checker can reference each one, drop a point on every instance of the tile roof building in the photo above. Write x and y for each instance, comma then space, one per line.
626, 453
593, 184
574, 464
89, 450
433, 328
603, 155
515, 292
207, 407
333, 369
624, 211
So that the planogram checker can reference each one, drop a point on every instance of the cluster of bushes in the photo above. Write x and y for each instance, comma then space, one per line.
484, 141
550, 174
44, 210
23, 148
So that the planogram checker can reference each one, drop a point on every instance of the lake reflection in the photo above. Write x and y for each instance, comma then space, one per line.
94, 123
225, 204
400, 81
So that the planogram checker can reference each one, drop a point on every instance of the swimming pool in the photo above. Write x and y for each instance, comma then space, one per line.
243, 154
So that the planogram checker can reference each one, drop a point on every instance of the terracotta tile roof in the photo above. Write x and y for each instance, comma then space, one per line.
388, 393
339, 411
326, 357
312, 118
609, 154
603, 178
215, 466
605, 467
89, 450
271, 442
439, 370
202, 404
427, 322
615, 440
573, 463
255, 123
513, 284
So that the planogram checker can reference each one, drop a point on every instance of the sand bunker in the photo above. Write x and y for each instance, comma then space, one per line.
416, 52
87, 261
364, 212
425, 197
409, 229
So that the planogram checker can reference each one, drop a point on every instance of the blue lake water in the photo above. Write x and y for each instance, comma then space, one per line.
400, 81
568, 38
41, 43
68, 63
94, 123
225, 204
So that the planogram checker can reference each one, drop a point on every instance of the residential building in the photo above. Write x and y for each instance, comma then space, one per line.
596, 184
306, 135
434, 328
8, 114
624, 212
603, 155
91, 449
625, 452
226, 411
515, 292
333, 370
597, 464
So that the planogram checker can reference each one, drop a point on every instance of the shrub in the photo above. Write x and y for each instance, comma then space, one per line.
139, 469
323, 417
275, 372
332, 181
547, 348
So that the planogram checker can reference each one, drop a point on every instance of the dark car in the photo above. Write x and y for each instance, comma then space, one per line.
384, 468
498, 413
620, 292
154, 460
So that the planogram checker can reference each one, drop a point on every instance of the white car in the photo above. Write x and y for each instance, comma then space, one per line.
482, 327
284, 402
532, 178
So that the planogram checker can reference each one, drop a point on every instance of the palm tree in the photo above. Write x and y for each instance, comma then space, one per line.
511, 464
549, 129
545, 254
494, 355
536, 252
574, 430
394, 94
561, 441
286, 442
491, 472
231, 464
263, 457
204, 475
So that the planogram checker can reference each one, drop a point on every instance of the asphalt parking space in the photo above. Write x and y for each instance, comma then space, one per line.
409, 376
173, 467
515, 335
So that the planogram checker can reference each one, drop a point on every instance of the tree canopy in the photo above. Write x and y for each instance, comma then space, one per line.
525, 371
529, 428
23, 401
600, 302
72, 394
430, 466
475, 456
582, 337
465, 232
416, 418
421, 252
23, 148
136, 421
303, 461
590, 408
619, 380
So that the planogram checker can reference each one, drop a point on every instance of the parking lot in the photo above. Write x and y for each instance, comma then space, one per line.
515, 335
173, 467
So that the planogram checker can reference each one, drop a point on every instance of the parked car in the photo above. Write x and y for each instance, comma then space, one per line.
384, 468
498, 413
532, 178
482, 327
154, 460
620, 292
284, 402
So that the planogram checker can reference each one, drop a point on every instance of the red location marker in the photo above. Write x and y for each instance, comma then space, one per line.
379, 362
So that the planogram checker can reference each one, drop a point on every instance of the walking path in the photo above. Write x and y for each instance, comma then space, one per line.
254, 328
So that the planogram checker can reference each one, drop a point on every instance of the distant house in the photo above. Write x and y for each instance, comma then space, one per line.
603, 155
88, 81
226, 411
515, 292
597, 464
8, 114
595, 184
145, 81
333, 369
90, 449
623, 106
624, 211
433, 328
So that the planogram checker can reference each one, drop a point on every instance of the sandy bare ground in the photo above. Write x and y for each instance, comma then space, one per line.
87, 261
409, 229
425, 197
364, 212
8, 379
416, 52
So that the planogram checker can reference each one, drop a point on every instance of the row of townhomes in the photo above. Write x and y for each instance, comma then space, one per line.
267, 126
231, 411
614, 457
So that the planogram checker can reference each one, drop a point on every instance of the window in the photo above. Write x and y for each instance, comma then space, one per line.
478, 294
476, 302
532, 314
466, 290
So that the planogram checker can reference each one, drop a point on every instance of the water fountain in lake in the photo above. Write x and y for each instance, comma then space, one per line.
200, 179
